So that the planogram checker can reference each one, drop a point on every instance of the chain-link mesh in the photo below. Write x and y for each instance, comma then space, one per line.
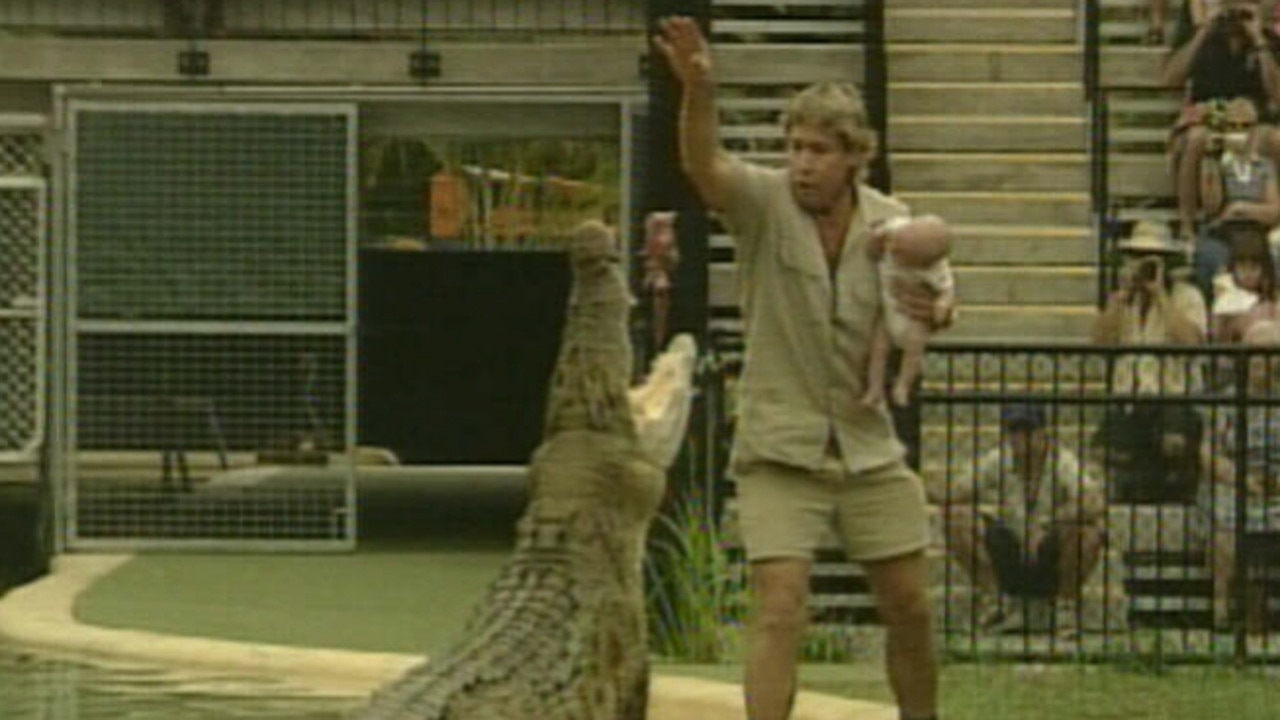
21, 242
21, 154
211, 215
19, 396
212, 341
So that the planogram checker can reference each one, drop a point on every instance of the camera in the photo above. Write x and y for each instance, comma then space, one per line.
1147, 269
1237, 15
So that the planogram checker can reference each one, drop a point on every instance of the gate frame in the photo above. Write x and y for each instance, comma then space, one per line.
626, 101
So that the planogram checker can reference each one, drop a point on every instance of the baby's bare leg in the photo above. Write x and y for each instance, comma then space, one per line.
913, 343
877, 363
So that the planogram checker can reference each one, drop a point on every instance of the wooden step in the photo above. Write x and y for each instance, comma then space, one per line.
788, 63
1140, 175
977, 62
1012, 285
1132, 66
941, 133
1022, 322
943, 23
786, 29
986, 99
1020, 172
982, 207
986, 4
1017, 245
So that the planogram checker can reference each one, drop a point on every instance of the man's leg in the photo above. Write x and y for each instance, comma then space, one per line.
780, 591
1079, 549
899, 586
967, 541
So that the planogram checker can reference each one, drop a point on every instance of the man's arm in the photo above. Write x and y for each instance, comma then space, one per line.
1178, 66
1184, 314
1108, 327
1266, 54
702, 158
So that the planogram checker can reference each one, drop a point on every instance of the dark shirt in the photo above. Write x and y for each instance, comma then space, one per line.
1217, 73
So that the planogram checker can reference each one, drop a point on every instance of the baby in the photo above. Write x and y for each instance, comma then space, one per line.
914, 250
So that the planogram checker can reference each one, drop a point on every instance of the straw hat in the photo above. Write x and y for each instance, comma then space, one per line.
1150, 237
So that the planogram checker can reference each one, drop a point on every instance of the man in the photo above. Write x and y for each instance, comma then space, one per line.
1152, 445
806, 451
1228, 56
1029, 523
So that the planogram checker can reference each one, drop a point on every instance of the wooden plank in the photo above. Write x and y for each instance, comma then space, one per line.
787, 26
781, 63
598, 63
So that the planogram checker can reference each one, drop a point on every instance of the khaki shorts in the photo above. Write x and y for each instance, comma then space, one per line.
784, 511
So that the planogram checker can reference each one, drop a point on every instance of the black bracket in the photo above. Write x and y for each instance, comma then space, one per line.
424, 64
644, 64
193, 63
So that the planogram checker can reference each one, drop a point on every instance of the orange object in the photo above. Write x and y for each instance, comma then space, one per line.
448, 206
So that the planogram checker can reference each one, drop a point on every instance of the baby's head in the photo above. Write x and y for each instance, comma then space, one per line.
920, 241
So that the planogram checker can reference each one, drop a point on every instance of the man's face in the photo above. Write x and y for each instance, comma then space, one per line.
1026, 443
820, 167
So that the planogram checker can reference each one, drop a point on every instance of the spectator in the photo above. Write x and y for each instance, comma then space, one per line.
1246, 294
1152, 446
1029, 525
1229, 56
1237, 185
1216, 499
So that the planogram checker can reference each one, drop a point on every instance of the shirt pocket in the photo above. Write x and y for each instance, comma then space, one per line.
804, 289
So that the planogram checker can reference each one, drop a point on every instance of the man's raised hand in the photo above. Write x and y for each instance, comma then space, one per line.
681, 41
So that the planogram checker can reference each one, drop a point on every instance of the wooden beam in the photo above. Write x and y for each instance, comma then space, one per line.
612, 63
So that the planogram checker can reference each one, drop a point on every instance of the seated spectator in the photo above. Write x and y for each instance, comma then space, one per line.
1229, 56
1152, 446
1029, 524
1237, 185
1246, 292
1216, 499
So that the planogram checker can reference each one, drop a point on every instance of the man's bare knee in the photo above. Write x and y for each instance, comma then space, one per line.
781, 592
908, 608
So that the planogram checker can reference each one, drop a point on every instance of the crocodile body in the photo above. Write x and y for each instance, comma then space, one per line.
561, 634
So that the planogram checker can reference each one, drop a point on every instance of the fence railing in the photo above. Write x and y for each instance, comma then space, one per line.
372, 19
1176, 555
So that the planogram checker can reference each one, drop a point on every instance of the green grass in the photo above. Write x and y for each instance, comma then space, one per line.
413, 602
998, 691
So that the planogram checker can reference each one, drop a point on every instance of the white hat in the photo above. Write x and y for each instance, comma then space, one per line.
1150, 237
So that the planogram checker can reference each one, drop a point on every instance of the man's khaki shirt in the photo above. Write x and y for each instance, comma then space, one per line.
807, 329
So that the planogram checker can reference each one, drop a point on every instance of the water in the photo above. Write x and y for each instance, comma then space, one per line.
35, 687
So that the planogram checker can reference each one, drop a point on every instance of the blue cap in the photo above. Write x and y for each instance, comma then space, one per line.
1024, 416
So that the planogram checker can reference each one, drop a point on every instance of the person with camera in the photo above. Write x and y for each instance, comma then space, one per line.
1152, 446
1237, 186
1231, 55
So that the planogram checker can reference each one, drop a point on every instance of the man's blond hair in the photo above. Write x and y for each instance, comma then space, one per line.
836, 108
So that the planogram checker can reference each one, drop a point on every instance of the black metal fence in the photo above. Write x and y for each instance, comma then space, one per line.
374, 19
1162, 551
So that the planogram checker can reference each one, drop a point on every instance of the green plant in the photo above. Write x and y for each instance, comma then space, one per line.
695, 592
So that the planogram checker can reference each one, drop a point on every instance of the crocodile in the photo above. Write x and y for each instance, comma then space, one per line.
561, 633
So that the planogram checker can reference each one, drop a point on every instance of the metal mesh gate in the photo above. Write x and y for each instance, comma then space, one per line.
210, 323
22, 273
